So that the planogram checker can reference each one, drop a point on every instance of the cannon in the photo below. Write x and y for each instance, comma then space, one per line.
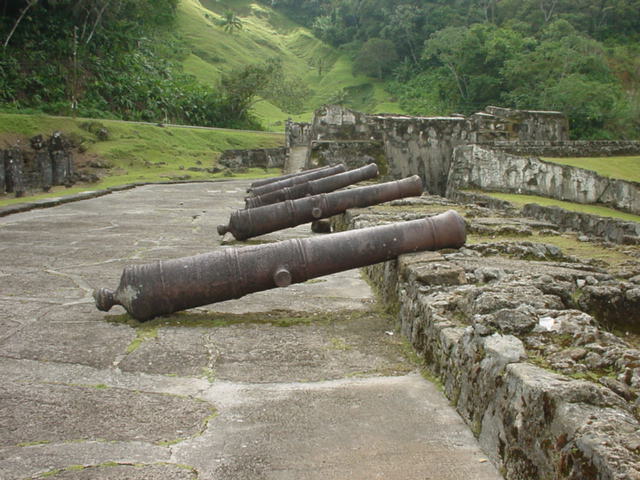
314, 187
303, 177
264, 181
164, 287
245, 224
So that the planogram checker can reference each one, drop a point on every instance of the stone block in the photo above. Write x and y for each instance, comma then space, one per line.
449, 337
436, 273
14, 172
45, 166
62, 167
504, 349
409, 260
2, 172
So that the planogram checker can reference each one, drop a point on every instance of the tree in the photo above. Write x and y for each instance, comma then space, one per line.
472, 58
320, 63
451, 46
230, 22
589, 104
376, 57
242, 87
339, 98
403, 27
565, 71
23, 12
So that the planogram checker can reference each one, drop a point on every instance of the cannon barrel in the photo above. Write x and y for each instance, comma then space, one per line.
303, 177
164, 287
264, 181
314, 187
245, 224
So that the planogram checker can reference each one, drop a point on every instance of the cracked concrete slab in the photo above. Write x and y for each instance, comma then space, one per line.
130, 472
350, 344
386, 427
311, 381
58, 459
53, 413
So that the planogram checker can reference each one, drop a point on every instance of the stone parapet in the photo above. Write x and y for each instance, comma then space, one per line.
297, 134
610, 229
424, 145
480, 199
476, 167
354, 154
575, 148
491, 326
593, 226
334, 122
528, 125
39, 166
257, 158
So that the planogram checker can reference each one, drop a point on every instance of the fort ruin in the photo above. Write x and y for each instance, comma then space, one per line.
535, 346
519, 332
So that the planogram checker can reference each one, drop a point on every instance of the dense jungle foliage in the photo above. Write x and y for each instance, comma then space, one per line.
108, 59
124, 59
578, 56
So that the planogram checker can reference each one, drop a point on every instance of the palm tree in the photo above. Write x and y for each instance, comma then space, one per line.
230, 22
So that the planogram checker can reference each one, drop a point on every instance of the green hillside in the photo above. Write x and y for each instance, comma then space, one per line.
267, 33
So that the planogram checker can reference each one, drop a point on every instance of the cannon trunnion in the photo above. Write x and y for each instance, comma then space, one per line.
164, 287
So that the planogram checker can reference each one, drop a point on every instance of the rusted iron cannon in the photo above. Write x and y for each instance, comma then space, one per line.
164, 287
314, 187
264, 181
245, 224
303, 177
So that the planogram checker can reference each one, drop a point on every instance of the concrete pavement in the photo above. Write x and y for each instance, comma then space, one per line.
307, 382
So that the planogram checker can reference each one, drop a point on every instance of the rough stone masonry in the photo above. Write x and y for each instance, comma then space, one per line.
38, 166
521, 336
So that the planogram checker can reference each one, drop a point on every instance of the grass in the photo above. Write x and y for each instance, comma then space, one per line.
625, 168
613, 256
521, 200
194, 319
138, 152
142, 335
267, 33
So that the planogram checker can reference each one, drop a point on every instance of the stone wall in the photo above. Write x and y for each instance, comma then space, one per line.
576, 148
610, 229
484, 319
3, 187
479, 199
476, 167
297, 134
334, 122
257, 158
40, 166
525, 125
353, 154
592, 226
424, 145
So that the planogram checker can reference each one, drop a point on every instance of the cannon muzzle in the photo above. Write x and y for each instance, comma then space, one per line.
301, 178
314, 187
245, 224
164, 287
